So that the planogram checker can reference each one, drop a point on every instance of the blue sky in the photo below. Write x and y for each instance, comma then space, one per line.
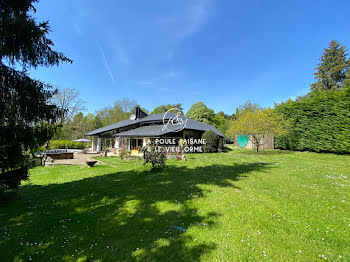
221, 52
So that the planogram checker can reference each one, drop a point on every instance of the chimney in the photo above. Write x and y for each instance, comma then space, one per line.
139, 113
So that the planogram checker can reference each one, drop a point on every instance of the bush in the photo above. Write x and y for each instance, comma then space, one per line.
66, 144
212, 141
153, 156
12, 179
320, 122
123, 154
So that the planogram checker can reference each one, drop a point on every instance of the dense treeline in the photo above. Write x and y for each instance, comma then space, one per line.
77, 126
320, 121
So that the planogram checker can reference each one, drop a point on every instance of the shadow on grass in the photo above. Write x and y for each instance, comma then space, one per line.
120, 216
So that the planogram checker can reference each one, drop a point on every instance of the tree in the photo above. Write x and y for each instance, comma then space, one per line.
200, 112
165, 108
332, 70
26, 116
78, 127
247, 106
221, 121
81, 125
258, 125
127, 105
121, 110
69, 103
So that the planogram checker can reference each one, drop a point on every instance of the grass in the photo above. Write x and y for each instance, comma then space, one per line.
235, 206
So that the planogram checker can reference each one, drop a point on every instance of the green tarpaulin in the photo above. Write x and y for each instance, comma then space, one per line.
242, 140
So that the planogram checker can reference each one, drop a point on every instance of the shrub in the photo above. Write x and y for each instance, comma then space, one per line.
66, 144
211, 141
152, 155
12, 179
123, 154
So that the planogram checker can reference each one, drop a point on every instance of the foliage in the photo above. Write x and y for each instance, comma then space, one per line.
121, 110
165, 108
332, 70
258, 124
247, 106
68, 102
79, 126
319, 122
66, 144
124, 154
154, 155
26, 116
221, 122
200, 112
212, 141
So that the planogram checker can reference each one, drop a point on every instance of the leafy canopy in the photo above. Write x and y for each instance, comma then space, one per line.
258, 124
200, 112
165, 108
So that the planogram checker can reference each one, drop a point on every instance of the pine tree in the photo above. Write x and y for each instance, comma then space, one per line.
26, 115
332, 70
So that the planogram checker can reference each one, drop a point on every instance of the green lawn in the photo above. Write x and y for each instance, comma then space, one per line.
235, 206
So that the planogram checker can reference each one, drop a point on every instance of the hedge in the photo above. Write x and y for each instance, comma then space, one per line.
67, 144
319, 122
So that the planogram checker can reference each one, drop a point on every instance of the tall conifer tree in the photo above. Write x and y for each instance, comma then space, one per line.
332, 70
26, 115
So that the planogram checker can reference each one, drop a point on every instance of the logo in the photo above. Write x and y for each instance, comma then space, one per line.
175, 123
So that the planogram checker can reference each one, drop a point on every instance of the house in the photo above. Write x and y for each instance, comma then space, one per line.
165, 128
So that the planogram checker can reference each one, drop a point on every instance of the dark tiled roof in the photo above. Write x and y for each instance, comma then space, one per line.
191, 124
147, 131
